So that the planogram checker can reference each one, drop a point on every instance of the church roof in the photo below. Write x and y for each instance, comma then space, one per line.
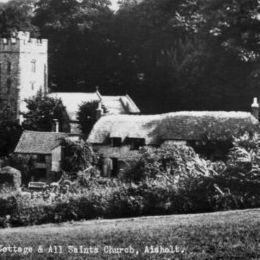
191, 125
112, 104
32, 142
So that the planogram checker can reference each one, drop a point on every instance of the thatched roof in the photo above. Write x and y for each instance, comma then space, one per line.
32, 142
190, 125
113, 104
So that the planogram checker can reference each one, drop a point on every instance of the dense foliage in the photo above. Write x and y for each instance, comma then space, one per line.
190, 54
17, 15
42, 111
87, 116
167, 180
240, 181
77, 156
10, 132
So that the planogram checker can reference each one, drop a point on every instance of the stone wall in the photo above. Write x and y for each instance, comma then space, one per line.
24, 71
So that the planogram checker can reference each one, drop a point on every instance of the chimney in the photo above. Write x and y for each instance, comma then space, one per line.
255, 108
99, 111
98, 93
56, 125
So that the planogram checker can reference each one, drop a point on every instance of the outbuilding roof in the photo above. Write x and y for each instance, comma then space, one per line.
112, 104
32, 142
185, 125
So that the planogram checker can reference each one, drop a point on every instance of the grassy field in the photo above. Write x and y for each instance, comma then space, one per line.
223, 235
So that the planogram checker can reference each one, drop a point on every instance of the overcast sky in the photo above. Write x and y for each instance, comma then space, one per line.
114, 3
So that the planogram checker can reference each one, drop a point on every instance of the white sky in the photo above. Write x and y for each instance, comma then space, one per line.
114, 5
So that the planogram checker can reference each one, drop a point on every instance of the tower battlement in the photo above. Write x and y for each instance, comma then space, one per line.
21, 42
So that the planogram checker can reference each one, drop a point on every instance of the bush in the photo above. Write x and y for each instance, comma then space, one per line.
238, 184
8, 205
78, 156
167, 180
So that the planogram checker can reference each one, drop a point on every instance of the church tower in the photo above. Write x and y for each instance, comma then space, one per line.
23, 71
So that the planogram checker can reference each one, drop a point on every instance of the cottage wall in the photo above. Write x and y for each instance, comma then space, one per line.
174, 142
56, 159
121, 152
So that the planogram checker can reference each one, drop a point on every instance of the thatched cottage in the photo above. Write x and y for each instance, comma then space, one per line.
43, 150
110, 105
119, 137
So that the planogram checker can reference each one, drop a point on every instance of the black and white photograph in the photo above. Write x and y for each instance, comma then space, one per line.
129, 129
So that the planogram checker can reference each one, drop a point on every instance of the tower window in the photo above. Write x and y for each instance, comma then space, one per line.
32, 85
0, 74
9, 67
33, 65
8, 84
45, 77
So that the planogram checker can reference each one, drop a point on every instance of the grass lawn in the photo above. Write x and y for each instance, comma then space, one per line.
222, 235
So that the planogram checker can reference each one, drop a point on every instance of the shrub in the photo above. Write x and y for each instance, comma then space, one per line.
239, 183
87, 115
77, 156
8, 205
10, 177
167, 180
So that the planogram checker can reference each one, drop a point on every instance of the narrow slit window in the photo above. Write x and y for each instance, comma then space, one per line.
33, 66
8, 85
0, 74
9, 67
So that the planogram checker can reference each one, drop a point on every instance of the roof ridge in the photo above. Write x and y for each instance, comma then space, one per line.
132, 102
44, 132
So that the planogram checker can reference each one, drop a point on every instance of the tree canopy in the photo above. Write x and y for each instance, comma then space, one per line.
87, 116
168, 55
42, 113
17, 15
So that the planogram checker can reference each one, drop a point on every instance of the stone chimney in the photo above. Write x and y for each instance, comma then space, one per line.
255, 108
56, 125
99, 111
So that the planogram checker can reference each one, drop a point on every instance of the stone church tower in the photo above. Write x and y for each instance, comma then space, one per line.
23, 71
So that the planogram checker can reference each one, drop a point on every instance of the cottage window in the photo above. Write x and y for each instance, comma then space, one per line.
116, 141
135, 143
41, 158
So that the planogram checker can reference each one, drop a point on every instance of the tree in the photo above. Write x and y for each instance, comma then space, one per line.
188, 54
87, 116
78, 156
78, 41
17, 15
10, 132
42, 111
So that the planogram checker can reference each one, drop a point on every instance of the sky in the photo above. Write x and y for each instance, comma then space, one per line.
114, 5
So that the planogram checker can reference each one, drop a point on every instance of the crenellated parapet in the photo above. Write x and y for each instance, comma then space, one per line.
21, 42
